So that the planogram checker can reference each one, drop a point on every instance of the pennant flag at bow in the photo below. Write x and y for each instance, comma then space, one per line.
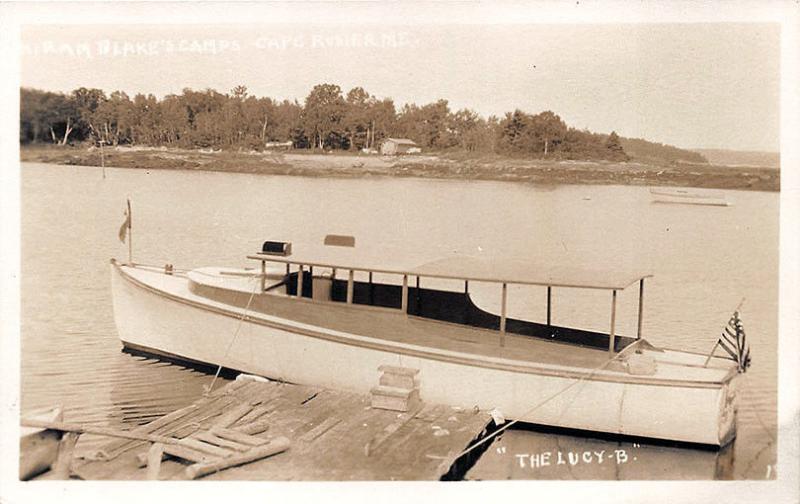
123, 229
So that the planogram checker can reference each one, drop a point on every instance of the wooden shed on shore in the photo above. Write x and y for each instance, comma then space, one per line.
393, 146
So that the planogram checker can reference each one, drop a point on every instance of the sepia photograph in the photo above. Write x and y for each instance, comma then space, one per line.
422, 242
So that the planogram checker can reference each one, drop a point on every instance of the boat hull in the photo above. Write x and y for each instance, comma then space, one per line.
689, 197
149, 320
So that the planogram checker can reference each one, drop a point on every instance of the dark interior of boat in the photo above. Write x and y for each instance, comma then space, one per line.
454, 307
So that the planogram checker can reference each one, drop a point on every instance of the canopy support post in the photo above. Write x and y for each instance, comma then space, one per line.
404, 295
466, 305
611, 334
371, 290
263, 276
417, 296
350, 287
549, 303
503, 315
641, 300
299, 280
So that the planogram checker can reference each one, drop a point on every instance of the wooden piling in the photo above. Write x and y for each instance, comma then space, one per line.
254, 427
237, 436
65, 449
154, 456
274, 447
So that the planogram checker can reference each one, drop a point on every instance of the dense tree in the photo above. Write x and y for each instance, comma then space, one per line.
114, 119
642, 149
382, 121
323, 114
613, 144
327, 119
46, 114
550, 129
427, 125
356, 121
85, 103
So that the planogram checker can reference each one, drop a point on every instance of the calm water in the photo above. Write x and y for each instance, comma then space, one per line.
705, 260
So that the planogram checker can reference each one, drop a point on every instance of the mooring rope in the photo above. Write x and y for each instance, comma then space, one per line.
772, 437
209, 388
745, 386
539, 405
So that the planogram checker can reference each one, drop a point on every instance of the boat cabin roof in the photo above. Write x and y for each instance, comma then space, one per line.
525, 272
495, 270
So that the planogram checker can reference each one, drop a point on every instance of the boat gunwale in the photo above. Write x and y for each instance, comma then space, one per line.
522, 367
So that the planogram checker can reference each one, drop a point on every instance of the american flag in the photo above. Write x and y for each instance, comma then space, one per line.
734, 341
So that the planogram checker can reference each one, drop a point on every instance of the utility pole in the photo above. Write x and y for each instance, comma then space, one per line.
103, 158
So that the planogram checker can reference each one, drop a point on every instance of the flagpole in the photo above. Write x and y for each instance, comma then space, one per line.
130, 234
705, 364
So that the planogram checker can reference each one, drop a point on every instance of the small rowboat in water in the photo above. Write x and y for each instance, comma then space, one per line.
38, 448
331, 323
687, 196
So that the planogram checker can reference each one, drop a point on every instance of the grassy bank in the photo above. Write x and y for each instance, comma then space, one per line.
426, 166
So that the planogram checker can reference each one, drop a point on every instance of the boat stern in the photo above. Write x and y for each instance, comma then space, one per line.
728, 409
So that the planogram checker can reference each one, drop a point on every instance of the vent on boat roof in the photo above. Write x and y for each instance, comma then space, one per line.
277, 248
340, 240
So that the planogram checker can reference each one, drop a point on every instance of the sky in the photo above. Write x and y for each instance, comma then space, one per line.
714, 85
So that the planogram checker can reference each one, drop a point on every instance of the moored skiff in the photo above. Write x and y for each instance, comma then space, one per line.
38, 448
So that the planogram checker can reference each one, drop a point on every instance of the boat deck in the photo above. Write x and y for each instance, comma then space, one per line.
365, 324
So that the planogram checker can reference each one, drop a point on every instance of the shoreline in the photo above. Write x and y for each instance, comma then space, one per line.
443, 166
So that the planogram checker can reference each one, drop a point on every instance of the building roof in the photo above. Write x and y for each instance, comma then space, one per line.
401, 141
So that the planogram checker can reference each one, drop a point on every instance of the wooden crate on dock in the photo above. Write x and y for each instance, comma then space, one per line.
397, 390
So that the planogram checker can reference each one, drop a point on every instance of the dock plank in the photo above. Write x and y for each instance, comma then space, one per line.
333, 435
168, 424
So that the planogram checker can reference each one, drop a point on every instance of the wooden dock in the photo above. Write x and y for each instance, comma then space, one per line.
309, 433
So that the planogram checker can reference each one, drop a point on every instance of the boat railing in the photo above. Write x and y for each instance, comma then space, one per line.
406, 274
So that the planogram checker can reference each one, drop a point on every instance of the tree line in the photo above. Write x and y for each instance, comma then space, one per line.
327, 119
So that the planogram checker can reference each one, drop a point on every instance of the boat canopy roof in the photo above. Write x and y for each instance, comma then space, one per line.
480, 269
519, 271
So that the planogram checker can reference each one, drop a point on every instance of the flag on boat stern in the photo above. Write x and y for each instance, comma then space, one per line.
734, 342
123, 229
